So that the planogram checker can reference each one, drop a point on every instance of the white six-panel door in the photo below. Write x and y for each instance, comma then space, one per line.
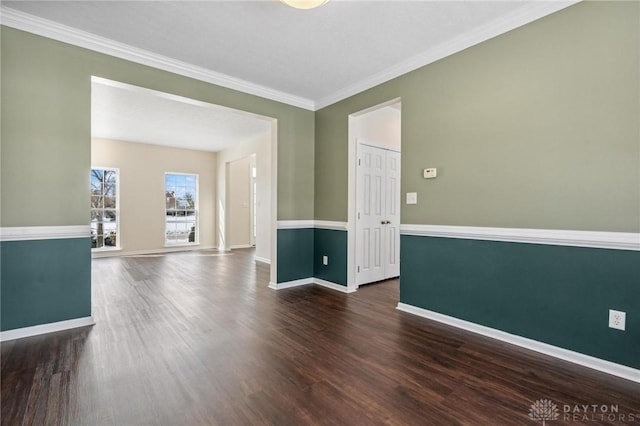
378, 214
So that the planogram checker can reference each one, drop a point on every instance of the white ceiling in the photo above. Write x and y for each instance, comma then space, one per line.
308, 58
129, 113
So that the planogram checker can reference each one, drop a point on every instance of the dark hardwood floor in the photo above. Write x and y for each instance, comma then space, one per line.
198, 338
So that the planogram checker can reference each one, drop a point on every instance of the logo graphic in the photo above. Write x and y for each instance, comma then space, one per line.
544, 410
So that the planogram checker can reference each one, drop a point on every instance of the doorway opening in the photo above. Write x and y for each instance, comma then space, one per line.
374, 194
241, 191
145, 134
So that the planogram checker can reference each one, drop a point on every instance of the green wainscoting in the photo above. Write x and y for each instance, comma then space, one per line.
331, 243
300, 254
553, 294
44, 281
295, 254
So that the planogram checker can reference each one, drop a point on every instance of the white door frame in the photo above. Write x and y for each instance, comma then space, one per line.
351, 192
274, 201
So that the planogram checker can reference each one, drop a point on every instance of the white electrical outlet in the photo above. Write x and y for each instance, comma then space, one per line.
325, 260
617, 319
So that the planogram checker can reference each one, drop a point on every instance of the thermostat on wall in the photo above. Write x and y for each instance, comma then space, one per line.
430, 173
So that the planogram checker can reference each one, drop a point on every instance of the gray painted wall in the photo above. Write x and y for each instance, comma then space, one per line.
536, 128
46, 135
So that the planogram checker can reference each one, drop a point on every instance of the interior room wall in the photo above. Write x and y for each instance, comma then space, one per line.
240, 209
261, 146
46, 158
516, 127
538, 129
380, 127
37, 134
142, 199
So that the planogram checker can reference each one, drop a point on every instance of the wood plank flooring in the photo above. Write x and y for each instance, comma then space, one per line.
198, 339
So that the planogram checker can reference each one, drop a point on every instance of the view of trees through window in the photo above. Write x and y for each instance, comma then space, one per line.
104, 210
181, 192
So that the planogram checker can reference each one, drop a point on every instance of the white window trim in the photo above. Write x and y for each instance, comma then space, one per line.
118, 245
196, 209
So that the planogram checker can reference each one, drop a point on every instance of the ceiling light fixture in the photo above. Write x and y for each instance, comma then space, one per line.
304, 4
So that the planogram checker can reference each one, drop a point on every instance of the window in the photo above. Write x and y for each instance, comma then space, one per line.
104, 208
181, 193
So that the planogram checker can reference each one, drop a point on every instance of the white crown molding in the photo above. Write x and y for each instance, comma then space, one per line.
534, 345
520, 17
53, 30
591, 239
46, 28
53, 327
29, 233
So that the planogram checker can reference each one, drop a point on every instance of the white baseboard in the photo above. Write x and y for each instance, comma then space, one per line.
289, 284
36, 330
312, 280
544, 348
333, 286
262, 260
118, 253
240, 246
